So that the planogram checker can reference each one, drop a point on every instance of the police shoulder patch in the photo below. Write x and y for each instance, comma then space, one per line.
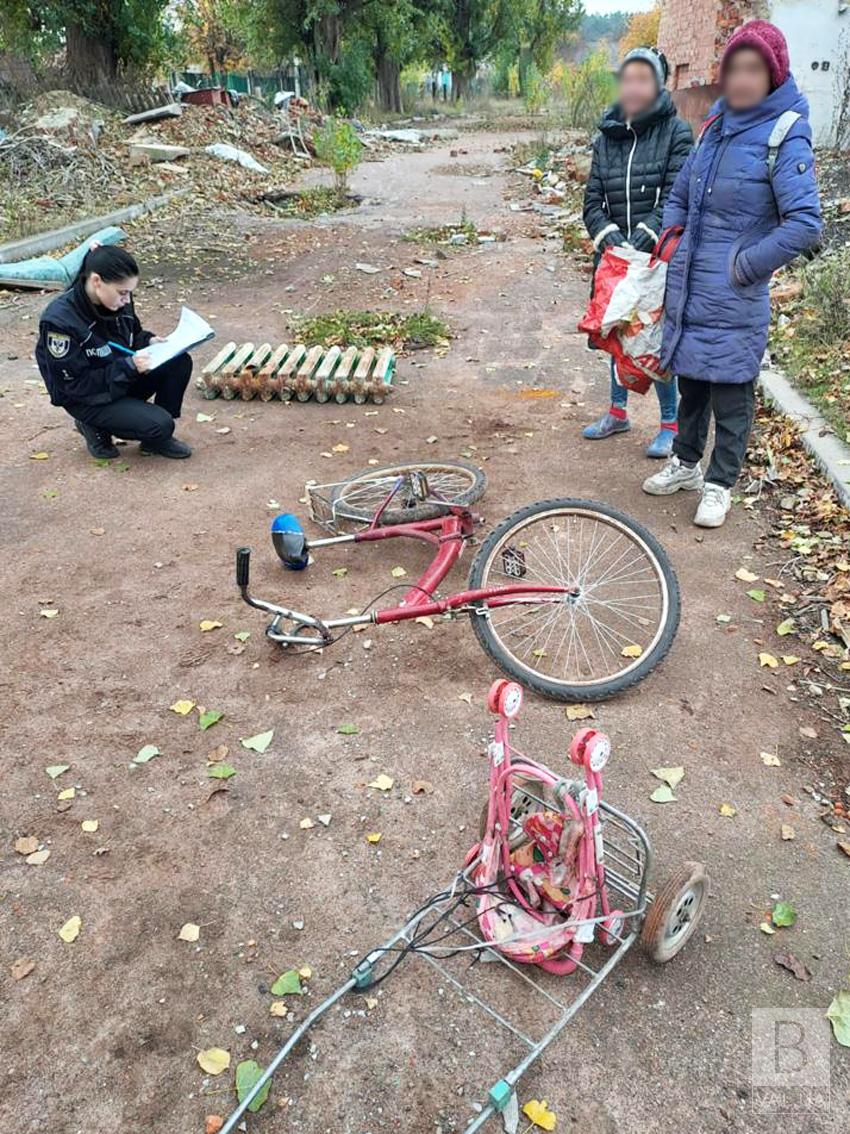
58, 343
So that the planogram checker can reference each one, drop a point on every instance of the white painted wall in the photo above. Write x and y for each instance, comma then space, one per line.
818, 31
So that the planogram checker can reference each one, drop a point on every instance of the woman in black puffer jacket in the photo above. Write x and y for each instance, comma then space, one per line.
640, 147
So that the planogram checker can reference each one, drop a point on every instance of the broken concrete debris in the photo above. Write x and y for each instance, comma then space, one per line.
157, 151
170, 110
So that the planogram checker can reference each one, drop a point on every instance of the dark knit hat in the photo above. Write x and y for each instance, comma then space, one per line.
653, 58
768, 41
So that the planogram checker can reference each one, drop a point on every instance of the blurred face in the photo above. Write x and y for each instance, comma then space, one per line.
111, 294
638, 88
746, 80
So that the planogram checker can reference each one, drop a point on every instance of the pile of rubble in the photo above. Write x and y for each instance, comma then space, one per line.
64, 157
555, 179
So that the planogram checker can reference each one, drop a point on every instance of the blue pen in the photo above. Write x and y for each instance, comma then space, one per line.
118, 346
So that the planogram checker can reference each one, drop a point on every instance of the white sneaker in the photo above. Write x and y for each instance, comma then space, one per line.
672, 477
714, 506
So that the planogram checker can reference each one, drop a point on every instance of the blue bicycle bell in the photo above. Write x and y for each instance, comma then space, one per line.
289, 541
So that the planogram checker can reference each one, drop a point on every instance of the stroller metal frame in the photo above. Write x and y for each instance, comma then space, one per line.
628, 857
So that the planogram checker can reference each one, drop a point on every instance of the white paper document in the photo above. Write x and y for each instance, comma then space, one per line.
191, 331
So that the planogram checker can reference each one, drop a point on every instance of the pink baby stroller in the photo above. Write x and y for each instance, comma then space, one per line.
540, 866
538, 887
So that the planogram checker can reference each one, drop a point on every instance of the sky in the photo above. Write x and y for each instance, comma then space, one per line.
604, 6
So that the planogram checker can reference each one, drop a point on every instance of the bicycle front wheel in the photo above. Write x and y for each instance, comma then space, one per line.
616, 620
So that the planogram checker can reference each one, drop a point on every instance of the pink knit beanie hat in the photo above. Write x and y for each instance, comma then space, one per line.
768, 41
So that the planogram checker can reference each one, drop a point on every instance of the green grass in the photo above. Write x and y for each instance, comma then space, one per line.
442, 234
371, 328
820, 371
812, 340
310, 203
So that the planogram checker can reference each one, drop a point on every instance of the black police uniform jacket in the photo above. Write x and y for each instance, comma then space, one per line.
633, 169
73, 352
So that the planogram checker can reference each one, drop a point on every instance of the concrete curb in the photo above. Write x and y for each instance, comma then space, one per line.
47, 241
830, 452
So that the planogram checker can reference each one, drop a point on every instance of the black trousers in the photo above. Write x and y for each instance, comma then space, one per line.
733, 406
133, 416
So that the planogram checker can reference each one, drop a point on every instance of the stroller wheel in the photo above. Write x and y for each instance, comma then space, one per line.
675, 913
522, 805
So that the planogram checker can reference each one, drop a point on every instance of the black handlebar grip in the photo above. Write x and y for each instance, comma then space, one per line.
243, 566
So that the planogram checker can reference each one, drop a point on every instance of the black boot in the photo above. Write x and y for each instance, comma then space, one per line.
170, 448
98, 442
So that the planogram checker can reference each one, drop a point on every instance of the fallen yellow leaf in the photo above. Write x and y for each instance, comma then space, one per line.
68, 793
540, 1114
183, 707
770, 760
727, 809
48, 613
70, 931
579, 712
189, 932
745, 576
790, 659
38, 858
634, 651
306, 824
90, 825
214, 1060
278, 1008
305, 972
382, 782
467, 697
398, 572
40, 456
425, 620
788, 832
340, 448
373, 837
768, 660
671, 776
210, 624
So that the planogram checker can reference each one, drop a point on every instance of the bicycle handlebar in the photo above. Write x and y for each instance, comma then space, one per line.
243, 566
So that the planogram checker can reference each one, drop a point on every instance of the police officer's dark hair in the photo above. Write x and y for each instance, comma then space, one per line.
111, 264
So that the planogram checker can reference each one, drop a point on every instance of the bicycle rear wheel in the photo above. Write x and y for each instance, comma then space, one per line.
451, 482
614, 625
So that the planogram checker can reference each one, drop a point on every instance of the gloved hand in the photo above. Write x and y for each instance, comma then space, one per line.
613, 239
642, 241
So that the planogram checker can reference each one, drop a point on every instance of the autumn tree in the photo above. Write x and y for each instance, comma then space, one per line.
642, 30
216, 31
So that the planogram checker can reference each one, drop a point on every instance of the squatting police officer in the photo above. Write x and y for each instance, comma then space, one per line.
103, 387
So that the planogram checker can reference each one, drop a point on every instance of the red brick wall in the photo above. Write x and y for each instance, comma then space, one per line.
730, 15
692, 34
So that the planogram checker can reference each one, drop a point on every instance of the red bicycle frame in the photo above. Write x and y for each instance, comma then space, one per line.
448, 534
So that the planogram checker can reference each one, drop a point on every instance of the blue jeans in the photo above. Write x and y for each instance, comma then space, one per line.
666, 391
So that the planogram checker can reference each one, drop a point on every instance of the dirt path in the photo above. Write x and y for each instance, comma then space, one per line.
102, 1035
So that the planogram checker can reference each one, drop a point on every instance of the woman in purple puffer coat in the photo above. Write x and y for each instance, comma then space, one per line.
748, 203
